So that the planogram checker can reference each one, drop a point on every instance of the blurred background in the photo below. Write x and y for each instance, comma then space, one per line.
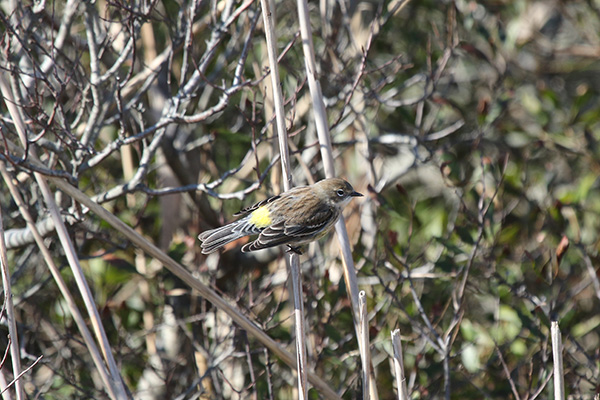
471, 127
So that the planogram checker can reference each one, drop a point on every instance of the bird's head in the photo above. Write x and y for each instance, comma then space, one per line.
337, 191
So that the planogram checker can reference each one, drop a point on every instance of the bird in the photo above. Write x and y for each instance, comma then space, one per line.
293, 218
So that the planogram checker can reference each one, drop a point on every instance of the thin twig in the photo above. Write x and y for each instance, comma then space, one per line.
513, 387
591, 271
541, 388
14, 381
92, 127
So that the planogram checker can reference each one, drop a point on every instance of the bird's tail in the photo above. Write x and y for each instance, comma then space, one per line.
214, 239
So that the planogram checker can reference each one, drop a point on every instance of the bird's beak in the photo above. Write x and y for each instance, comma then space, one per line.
356, 194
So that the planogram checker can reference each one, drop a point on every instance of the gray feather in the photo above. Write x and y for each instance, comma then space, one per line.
214, 239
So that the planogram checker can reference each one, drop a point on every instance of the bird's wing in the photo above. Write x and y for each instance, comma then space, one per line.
297, 228
284, 232
311, 225
272, 236
253, 207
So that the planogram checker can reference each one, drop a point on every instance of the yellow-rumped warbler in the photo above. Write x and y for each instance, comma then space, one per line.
298, 216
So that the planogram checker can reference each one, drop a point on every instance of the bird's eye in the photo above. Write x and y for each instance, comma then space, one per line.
340, 192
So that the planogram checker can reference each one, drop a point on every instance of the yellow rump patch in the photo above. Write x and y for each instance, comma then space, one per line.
260, 217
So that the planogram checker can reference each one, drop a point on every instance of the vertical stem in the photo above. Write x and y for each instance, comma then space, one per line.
294, 262
559, 380
10, 314
326, 150
299, 323
315, 89
327, 157
277, 96
446, 365
364, 348
399, 365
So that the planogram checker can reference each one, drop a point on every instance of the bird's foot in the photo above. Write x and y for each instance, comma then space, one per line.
293, 249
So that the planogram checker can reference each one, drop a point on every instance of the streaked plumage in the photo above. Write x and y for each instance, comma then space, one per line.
298, 216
